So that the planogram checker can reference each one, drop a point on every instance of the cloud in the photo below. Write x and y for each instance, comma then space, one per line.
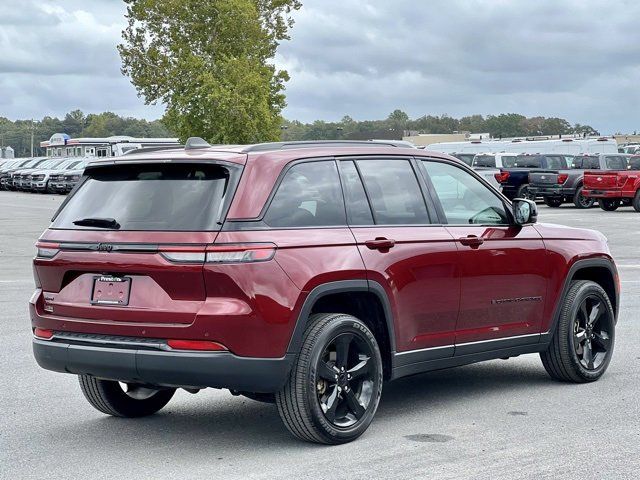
577, 59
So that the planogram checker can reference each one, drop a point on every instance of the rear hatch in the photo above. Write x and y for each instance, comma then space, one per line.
128, 247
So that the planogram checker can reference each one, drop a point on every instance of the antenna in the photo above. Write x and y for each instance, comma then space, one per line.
195, 143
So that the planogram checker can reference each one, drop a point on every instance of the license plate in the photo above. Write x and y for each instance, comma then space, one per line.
109, 290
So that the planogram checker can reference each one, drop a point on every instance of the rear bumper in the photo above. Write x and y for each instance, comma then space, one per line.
551, 191
603, 193
155, 367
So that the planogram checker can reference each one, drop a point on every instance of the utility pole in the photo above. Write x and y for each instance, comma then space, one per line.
32, 131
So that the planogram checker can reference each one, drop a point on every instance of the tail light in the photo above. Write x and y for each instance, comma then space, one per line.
200, 345
225, 253
47, 250
501, 177
241, 253
562, 177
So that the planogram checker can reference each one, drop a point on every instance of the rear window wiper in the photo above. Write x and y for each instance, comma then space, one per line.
98, 222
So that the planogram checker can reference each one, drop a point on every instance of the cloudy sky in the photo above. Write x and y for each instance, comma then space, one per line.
577, 59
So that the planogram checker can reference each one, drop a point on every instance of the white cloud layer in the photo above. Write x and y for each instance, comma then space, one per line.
577, 59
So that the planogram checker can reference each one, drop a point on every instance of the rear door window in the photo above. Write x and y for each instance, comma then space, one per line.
308, 196
358, 209
166, 197
394, 192
634, 163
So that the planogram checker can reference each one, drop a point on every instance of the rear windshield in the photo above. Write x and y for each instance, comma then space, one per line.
484, 161
556, 162
465, 157
586, 163
167, 197
528, 161
615, 162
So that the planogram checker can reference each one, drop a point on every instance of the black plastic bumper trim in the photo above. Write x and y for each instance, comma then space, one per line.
171, 369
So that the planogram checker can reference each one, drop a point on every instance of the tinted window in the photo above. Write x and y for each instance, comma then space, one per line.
634, 163
556, 162
509, 162
309, 196
464, 199
615, 162
587, 163
484, 161
358, 210
394, 192
528, 161
151, 197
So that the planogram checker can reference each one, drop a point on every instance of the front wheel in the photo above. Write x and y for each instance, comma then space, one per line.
609, 204
636, 202
334, 387
582, 343
123, 400
580, 201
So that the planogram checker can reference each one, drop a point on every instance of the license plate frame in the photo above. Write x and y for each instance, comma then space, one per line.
111, 290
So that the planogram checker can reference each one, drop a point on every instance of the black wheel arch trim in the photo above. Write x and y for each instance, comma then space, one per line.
575, 268
341, 286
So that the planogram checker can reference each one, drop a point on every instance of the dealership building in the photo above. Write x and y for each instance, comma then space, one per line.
62, 145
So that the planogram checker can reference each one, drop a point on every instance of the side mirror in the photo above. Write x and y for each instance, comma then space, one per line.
524, 211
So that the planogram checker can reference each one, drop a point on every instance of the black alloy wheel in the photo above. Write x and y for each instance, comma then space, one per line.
592, 329
609, 204
345, 379
580, 201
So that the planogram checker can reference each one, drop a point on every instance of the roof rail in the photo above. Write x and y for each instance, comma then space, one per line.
265, 147
152, 149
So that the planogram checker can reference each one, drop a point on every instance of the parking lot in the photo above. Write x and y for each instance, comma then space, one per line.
499, 419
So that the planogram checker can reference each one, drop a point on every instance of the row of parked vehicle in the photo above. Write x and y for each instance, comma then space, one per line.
42, 174
611, 180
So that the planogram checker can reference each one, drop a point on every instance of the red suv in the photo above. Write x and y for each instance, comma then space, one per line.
306, 274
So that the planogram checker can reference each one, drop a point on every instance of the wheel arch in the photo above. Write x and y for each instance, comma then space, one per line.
599, 270
364, 299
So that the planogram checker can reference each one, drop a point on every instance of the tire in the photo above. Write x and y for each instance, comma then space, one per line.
312, 390
567, 358
636, 201
523, 192
582, 202
552, 202
109, 397
609, 204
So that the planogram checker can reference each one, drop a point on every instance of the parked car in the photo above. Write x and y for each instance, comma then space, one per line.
560, 186
617, 187
515, 180
22, 178
40, 178
307, 277
70, 179
12, 176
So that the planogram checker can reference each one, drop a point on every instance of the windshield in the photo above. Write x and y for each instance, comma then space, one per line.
615, 162
164, 197
484, 161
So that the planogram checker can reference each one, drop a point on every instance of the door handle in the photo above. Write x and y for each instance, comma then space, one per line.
380, 243
472, 241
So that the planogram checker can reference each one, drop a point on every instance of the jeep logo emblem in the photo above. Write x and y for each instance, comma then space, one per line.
105, 247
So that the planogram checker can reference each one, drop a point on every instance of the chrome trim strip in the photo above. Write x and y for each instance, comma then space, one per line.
530, 335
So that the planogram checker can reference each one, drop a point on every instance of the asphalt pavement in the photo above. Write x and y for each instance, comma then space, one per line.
494, 420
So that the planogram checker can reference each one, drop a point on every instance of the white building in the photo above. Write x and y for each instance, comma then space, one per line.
61, 145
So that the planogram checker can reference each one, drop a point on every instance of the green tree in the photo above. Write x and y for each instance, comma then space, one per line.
209, 62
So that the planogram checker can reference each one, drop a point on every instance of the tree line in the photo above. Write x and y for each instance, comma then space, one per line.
398, 123
17, 134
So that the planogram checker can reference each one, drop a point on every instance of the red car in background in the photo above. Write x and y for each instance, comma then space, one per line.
615, 188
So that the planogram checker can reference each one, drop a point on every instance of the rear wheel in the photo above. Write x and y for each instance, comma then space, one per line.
580, 201
524, 192
636, 202
552, 202
582, 343
609, 204
123, 399
335, 384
